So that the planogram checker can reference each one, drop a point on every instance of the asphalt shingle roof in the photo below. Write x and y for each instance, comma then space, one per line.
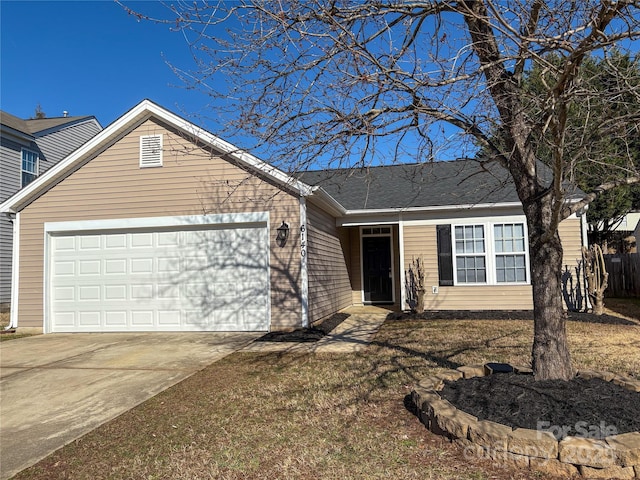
459, 182
34, 125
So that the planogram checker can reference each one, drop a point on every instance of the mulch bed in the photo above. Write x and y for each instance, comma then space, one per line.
503, 315
306, 335
590, 408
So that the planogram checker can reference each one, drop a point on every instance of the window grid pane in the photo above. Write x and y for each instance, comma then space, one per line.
469, 239
509, 239
471, 270
511, 268
29, 161
470, 249
29, 167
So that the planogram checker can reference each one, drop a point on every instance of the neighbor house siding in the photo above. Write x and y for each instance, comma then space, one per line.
327, 264
191, 181
59, 144
10, 168
6, 229
10, 180
420, 242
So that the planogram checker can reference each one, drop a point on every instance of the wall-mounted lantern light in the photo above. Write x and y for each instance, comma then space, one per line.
283, 234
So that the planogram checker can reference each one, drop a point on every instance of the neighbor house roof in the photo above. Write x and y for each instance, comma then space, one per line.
13, 122
419, 185
36, 125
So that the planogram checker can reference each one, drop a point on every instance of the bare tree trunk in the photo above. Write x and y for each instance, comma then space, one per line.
550, 353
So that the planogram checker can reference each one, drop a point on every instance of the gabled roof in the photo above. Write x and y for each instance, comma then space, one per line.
425, 186
127, 122
414, 186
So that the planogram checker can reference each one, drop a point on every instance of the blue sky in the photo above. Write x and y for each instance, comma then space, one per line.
89, 58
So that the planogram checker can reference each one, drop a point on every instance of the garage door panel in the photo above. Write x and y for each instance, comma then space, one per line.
90, 242
89, 318
211, 279
169, 317
141, 240
61, 244
115, 241
89, 267
115, 319
64, 267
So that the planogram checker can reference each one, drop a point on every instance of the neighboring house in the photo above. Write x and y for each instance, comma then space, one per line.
629, 222
28, 149
155, 224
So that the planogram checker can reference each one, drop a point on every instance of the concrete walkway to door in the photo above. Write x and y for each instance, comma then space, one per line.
55, 388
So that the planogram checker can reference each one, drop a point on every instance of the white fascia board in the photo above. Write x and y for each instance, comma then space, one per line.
327, 201
433, 209
141, 112
354, 218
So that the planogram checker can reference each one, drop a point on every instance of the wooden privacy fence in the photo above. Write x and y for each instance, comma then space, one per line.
624, 275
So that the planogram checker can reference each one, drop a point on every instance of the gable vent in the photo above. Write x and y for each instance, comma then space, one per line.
151, 151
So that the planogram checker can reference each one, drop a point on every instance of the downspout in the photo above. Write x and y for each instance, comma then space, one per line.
14, 218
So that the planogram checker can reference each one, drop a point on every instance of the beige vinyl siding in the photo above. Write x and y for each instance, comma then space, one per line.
420, 241
572, 275
191, 182
355, 271
327, 264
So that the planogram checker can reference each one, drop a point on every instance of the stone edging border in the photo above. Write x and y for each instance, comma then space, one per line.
617, 456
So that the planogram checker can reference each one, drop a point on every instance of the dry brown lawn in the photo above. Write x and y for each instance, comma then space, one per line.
306, 416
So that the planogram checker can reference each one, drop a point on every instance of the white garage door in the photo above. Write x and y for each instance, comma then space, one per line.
196, 279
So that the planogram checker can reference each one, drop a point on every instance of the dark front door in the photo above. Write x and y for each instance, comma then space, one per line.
376, 267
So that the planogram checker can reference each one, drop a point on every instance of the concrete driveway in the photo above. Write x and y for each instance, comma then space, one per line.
55, 388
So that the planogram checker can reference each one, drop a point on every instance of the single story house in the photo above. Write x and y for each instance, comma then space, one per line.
158, 225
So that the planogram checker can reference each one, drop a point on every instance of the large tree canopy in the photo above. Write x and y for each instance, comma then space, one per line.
344, 83
608, 84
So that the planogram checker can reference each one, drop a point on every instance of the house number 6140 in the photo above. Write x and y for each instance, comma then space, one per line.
303, 240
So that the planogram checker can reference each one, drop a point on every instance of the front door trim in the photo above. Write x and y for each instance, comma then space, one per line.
388, 232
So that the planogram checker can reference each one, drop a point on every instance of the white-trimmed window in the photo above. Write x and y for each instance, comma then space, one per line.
470, 252
150, 151
29, 166
510, 253
491, 253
